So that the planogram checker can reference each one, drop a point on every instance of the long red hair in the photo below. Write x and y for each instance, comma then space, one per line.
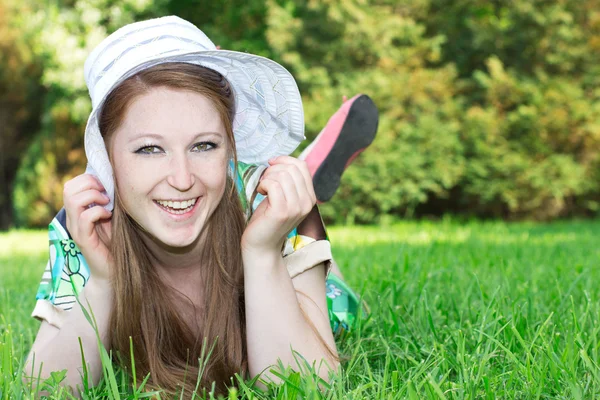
144, 308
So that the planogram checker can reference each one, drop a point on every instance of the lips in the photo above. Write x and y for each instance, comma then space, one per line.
177, 206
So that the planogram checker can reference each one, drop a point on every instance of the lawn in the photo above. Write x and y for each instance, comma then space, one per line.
457, 311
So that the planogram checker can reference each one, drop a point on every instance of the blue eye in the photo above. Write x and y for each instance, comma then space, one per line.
149, 149
204, 146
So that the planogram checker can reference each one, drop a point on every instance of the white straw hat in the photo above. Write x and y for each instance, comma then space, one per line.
269, 119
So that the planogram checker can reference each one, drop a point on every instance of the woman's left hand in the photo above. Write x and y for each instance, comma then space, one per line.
290, 196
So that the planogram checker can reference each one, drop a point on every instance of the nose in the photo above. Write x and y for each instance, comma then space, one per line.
181, 175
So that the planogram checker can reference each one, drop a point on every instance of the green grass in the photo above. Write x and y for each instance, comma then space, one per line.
458, 311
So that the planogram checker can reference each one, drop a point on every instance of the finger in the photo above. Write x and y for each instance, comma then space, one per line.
274, 192
89, 218
81, 183
287, 160
300, 174
300, 164
289, 185
76, 204
83, 200
306, 194
292, 173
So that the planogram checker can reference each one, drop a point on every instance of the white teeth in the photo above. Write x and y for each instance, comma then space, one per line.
177, 207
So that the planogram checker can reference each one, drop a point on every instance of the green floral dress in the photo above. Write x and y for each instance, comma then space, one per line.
67, 271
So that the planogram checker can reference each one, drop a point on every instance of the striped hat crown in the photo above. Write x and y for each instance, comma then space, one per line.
268, 121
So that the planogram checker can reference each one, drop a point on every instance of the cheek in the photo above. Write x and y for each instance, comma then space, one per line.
217, 180
131, 179
213, 171
127, 190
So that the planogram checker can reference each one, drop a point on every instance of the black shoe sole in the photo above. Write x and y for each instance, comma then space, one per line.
358, 132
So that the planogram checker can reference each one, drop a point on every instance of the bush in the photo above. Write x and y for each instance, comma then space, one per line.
487, 109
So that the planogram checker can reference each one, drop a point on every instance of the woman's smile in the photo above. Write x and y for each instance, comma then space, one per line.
178, 209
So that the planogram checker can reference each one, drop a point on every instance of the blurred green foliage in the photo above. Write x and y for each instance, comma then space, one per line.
20, 98
488, 108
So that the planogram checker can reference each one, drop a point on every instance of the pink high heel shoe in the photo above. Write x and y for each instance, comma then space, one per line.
347, 133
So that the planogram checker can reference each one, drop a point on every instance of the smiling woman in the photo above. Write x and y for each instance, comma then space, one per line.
160, 160
175, 240
175, 176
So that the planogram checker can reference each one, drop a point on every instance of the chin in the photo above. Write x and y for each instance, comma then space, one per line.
179, 240
182, 242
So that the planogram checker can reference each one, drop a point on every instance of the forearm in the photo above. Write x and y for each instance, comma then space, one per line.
275, 324
58, 349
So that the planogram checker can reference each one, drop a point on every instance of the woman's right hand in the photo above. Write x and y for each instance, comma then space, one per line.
83, 200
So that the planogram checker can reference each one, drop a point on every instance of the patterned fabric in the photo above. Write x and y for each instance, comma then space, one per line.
67, 269
343, 305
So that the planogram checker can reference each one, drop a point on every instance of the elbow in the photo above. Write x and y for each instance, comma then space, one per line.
336, 367
40, 376
28, 371
30, 377
328, 368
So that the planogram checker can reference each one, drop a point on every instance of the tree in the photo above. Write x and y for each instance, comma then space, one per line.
20, 98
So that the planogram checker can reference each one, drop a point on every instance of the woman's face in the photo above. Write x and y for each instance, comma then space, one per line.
170, 163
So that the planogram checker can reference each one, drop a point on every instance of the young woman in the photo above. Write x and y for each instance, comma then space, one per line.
178, 233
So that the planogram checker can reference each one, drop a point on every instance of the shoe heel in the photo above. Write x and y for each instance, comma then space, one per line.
357, 133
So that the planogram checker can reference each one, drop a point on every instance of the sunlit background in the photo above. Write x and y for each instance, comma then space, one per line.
489, 114
488, 108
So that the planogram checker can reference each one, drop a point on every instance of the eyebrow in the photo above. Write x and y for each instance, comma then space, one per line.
144, 135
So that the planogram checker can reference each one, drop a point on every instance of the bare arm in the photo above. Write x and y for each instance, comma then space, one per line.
278, 319
56, 349
275, 324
